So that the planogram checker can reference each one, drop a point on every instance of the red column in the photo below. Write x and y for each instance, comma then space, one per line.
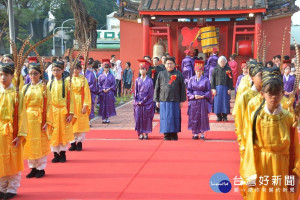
258, 22
146, 35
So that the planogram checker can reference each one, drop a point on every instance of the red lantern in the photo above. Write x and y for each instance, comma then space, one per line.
245, 48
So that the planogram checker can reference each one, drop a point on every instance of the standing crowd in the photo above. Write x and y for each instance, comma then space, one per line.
55, 115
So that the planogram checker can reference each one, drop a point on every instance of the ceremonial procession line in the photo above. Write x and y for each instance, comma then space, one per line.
115, 165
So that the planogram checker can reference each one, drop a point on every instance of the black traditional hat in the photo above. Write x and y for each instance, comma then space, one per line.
35, 66
8, 66
271, 74
58, 64
254, 67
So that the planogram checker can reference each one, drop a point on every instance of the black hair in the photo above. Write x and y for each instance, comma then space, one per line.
128, 63
171, 59
106, 65
270, 63
112, 56
7, 71
147, 57
95, 64
156, 58
164, 55
286, 57
54, 59
278, 56
78, 66
273, 87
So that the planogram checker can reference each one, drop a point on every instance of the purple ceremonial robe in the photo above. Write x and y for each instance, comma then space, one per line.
143, 112
27, 79
198, 109
238, 82
211, 65
288, 86
107, 100
187, 67
93, 84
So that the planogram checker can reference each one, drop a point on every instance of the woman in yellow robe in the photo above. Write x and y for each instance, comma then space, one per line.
37, 145
271, 161
62, 120
11, 160
82, 95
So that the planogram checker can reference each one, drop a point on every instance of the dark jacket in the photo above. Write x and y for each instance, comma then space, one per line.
220, 77
174, 92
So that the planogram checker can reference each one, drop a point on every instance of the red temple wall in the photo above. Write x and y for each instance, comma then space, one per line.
274, 30
131, 44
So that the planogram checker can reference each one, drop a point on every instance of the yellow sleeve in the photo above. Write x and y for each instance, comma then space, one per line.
22, 115
87, 95
72, 98
295, 142
248, 168
49, 118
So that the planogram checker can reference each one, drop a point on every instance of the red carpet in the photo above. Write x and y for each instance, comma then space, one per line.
115, 165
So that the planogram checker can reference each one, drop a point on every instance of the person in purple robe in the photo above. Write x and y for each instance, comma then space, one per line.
187, 67
288, 82
200, 102
245, 72
91, 77
143, 102
212, 63
106, 90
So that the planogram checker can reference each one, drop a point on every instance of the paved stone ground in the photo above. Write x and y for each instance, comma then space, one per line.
123, 121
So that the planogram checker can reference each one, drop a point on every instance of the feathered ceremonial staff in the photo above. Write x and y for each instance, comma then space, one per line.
282, 49
292, 95
72, 66
264, 48
86, 48
258, 44
19, 60
44, 115
18, 66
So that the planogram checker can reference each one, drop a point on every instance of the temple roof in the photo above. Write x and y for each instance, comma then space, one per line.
271, 8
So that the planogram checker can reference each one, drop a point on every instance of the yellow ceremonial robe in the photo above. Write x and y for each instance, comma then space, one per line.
269, 155
82, 123
11, 160
243, 86
37, 142
242, 103
62, 131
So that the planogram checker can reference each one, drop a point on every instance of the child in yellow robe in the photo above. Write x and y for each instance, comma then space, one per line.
271, 161
11, 161
82, 95
62, 120
255, 70
37, 145
8, 58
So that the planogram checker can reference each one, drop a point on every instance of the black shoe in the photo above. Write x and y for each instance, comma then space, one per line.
9, 195
141, 137
167, 136
79, 146
63, 157
195, 137
103, 121
225, 117
40, 173
32, 173
107, 121
174, 136
2, 194
73, 146
202, 137
56, 158
146, 137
